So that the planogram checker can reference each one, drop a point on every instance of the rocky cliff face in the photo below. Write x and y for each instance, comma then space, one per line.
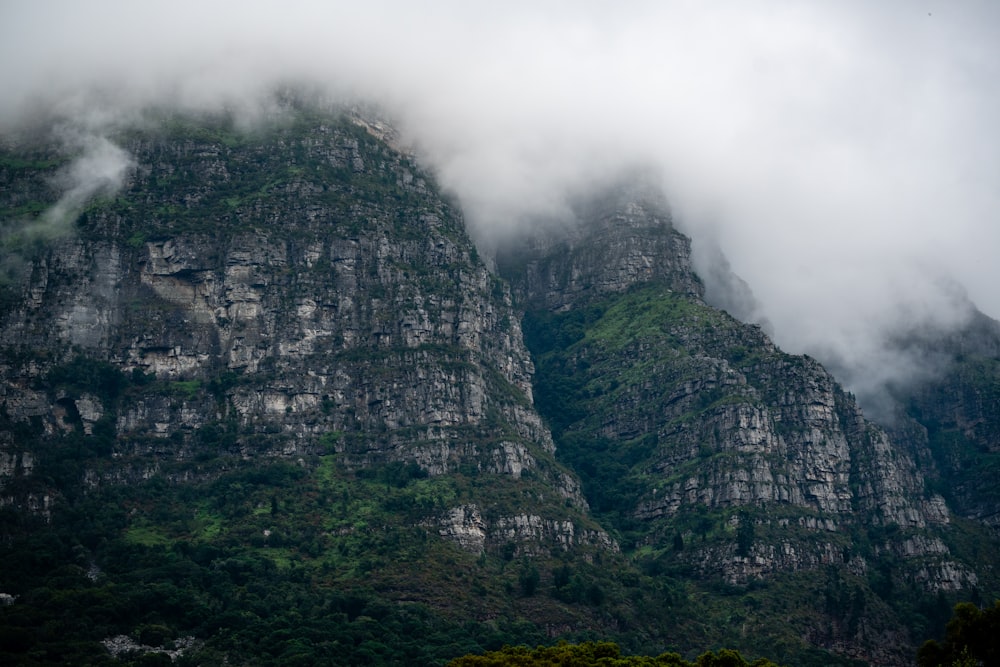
293, 323
953, 416
619, 237
699, 439
299, 292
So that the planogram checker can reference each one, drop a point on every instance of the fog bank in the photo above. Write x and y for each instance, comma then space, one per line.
844, 156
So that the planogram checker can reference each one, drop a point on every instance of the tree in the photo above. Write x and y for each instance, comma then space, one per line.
597, 654
744, 534
529, 579
972, 637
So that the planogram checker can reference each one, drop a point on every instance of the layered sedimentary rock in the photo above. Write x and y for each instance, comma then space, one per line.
301, 298
297, 291
711, 425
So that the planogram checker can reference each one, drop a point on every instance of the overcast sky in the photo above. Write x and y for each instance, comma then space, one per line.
844, 155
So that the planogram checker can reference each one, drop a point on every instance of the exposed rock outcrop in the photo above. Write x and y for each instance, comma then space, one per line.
756, 461
293, 293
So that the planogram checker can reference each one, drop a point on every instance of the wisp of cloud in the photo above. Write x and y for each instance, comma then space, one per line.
99, 170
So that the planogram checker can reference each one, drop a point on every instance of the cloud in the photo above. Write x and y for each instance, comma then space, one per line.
98, 169
843, 155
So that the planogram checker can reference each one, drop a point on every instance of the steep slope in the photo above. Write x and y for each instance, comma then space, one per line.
955, 414
271, 366
266, 405
328, 302
713, 453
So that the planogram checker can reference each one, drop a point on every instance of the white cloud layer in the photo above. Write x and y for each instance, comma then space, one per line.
843, 154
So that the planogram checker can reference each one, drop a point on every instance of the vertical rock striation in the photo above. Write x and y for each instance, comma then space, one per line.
297, 291
697, 437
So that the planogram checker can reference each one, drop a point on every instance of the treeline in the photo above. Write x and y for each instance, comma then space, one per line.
599, 654
972, 637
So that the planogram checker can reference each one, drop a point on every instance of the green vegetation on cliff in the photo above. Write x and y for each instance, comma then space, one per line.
267, 405
643, 389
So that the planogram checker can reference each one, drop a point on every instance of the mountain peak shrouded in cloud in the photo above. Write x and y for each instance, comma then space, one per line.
842, 155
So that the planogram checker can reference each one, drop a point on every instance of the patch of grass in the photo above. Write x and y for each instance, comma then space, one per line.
147, 536
136, 240
187, 389
207, 525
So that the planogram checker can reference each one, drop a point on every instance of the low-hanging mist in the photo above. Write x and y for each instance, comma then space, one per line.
843, 156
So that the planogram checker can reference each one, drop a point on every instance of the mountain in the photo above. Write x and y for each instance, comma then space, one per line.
266, 403
954, 414
715, 455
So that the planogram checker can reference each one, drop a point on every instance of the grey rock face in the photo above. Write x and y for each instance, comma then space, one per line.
307, 295
622, 237
530, 534
729, 425
952, 417
302, 293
